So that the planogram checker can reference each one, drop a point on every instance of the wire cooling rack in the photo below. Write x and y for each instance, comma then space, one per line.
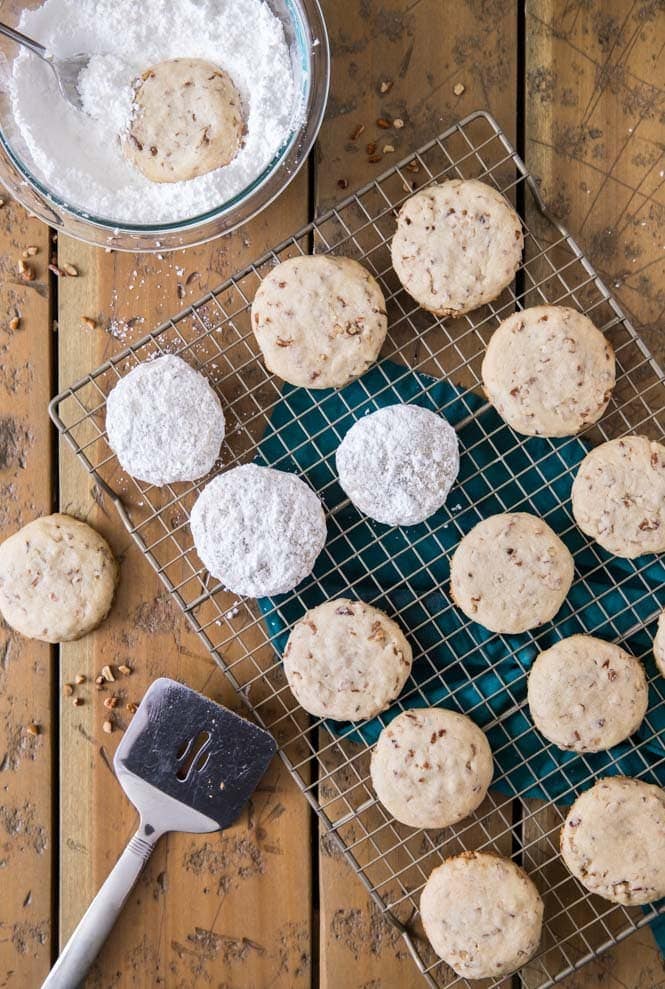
331, 763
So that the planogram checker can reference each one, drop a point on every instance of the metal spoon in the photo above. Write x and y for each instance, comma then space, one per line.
67, 70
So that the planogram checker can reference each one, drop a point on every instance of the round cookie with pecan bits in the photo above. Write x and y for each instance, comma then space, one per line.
319, 320
482, 914
587, 695
659, 644
346, 660
431, 767
548, 371
613, 840
510, 573
457, 246
618, 496
186, 120
57, 579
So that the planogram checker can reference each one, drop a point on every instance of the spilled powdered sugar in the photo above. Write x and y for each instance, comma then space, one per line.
78, 155
164, 422
258, 530
398, 464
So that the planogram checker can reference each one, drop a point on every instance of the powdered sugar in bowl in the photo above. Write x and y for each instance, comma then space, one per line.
69, 168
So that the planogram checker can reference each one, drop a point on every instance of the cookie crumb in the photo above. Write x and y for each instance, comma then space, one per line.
111, 702
89, 322
14, 322
79, 678
107, 727
70, 269
458, 88
77, 701
398, 123
30, 252
33, 729
385, 86
107, 674
125, 670
67, 689
356, 132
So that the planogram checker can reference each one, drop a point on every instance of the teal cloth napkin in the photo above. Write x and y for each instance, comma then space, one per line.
406, 570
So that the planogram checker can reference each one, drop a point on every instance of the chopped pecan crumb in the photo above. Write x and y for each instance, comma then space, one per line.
33, 729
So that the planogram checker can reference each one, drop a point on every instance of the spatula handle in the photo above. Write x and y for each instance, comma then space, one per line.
94, 927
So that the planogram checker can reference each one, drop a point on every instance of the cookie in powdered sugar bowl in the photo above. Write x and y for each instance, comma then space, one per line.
182, 135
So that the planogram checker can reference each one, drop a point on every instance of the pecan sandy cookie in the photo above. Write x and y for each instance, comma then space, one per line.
258, 530
613, 840
510, 573
186, 120
164, 422
586, 694
346, 660
659, 644
431, 767
320, 321
618, 496
548, 371
57, 579
457, 246
398, 464
482, 914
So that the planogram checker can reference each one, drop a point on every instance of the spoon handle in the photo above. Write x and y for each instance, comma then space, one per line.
22, 39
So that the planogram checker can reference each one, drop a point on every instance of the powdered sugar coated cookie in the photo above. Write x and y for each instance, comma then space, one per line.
398, 464
258, 530
164, 422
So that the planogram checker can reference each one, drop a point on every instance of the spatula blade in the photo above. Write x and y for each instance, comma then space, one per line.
194, 751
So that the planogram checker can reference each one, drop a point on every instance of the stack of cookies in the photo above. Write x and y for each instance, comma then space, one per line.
321, 322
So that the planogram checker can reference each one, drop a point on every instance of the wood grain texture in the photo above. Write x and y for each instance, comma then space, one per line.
234, 911
26, 668
595, 109
418, 53
223, 909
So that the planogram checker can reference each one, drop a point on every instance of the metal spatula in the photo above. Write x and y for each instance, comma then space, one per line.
186, 764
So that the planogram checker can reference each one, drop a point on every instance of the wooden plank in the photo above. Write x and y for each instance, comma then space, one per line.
26, 671
220, 909
416, 53
594, 142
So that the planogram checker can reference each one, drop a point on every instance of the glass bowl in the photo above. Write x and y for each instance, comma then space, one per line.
307, 38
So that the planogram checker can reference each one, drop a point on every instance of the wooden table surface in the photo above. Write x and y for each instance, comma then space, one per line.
579, 87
